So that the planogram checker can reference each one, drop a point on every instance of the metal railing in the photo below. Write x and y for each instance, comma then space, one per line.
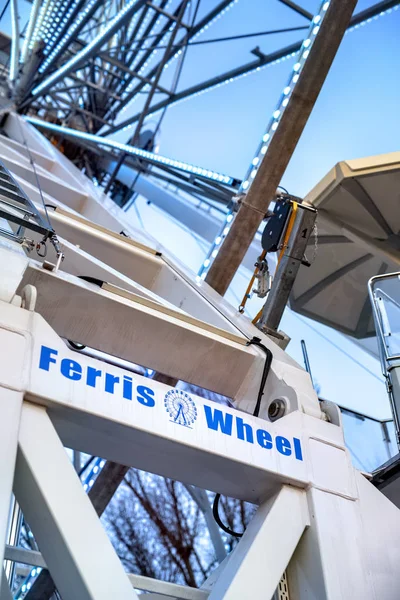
384, 293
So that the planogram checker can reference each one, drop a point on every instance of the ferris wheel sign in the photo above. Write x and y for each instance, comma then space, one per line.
180, 407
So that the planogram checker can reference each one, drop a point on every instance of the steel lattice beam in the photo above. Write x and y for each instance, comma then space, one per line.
298, 9
204, 22
249, 67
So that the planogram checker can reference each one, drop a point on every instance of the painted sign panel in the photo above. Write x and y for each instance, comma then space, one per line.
116, 414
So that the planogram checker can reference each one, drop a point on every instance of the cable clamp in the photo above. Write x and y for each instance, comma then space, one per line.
257, 210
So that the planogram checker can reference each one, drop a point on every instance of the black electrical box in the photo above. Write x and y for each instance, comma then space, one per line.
276, 225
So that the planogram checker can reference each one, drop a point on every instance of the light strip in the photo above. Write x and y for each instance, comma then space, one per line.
154, 111
32, 20
269, 133
57, 24
14, 55
46, 6
157, 158
70, 33
48, 18
96, 43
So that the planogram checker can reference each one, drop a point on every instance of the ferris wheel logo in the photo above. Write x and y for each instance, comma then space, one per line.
180, 407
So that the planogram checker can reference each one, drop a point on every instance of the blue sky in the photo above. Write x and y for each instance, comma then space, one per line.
356, 115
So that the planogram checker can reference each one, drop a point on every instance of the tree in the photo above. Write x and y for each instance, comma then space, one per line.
159, 531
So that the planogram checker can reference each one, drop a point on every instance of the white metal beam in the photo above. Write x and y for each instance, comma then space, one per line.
10, 410
166, 589
141, 331
139, 582
5, 592
58, 511
107, 411
160, 588
265, 549
24, 556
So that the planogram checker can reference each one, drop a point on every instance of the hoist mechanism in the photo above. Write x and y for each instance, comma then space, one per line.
286, 232
273, 237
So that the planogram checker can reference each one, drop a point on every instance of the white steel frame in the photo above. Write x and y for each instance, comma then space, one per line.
318, 518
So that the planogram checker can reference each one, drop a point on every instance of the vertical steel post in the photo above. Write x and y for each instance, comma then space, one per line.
288, 268
10, 407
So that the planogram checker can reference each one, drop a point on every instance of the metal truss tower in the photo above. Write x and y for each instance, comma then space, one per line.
103, 67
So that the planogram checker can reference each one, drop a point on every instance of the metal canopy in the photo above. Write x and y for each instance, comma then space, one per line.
358, 237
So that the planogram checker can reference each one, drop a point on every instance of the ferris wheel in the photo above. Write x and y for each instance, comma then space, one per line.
180, 407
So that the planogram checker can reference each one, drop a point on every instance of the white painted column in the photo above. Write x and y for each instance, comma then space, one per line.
10, 412
255, 567
5, 592
74, 544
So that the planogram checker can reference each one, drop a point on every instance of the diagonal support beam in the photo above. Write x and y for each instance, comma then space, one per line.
298, 9
74, 544
335, 17
122, 67
249, 67
196, 29
170, 16
360, 194
258, 561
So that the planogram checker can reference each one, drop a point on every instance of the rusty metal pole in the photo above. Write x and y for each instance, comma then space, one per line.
282, 145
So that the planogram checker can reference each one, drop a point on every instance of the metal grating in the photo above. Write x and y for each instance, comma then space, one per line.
282, 592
